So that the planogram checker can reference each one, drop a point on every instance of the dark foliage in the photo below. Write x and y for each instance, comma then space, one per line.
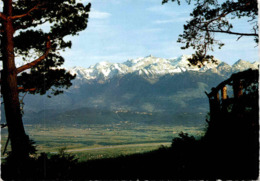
45, 166
65, 18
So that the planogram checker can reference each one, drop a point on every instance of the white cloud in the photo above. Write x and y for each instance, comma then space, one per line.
99, 15
173, 20
167, 15
168, 11
164, 21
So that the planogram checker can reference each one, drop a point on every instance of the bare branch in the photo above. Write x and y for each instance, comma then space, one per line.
227, 31
218, 18
233, 33
239, 37
36, 61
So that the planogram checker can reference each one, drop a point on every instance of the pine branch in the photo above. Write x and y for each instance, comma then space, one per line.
2, 16
26, 90
206, 29
22, 27
28, 12
233, 33
36, 61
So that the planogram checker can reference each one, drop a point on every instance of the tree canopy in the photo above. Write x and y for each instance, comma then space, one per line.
215, 16
34, 31
41, 48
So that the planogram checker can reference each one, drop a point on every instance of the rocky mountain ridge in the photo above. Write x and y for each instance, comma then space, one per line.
154, 67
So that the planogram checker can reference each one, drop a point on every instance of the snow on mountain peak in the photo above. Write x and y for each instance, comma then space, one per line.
132, 62
243, 65
181, 61
256, 64
154, 67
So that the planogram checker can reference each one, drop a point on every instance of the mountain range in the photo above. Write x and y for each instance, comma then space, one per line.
154, 67
144, 90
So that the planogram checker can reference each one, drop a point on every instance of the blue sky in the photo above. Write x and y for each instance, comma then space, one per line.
124, 29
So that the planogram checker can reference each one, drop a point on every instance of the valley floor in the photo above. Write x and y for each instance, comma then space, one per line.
103, 141
120, 146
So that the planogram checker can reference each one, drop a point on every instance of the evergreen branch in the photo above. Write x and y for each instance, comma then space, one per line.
226, 31
233, 33
23, 27
28, 13
2, 16
26, 90
36, 61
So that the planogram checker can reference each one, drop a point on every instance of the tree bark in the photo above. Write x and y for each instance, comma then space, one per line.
237, 88
18, 138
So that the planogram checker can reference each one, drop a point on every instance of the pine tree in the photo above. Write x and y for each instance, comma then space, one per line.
23, 35
210, 17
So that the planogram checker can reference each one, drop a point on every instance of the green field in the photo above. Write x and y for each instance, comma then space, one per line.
102, 141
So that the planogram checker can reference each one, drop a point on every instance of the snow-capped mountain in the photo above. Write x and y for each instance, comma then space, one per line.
241, 65
154, 67
169, 89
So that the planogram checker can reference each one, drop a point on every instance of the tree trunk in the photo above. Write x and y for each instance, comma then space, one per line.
237, 88
19, 140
